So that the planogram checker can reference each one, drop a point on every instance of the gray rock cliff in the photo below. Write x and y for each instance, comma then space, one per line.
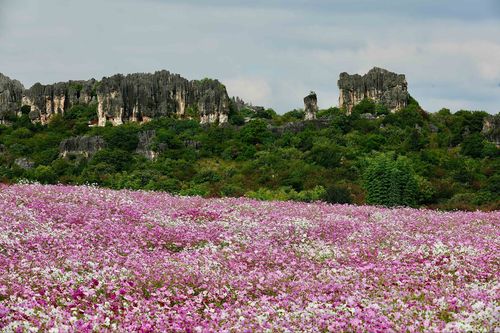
47, 100
121, 98
380, 85
141, 97
11, 92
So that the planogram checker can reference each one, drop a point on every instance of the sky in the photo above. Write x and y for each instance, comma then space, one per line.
270, 53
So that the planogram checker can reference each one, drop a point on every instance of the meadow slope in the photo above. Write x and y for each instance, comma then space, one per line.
84, 259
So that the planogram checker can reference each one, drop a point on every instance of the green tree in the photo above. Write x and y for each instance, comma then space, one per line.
338, 194
45, 174
122, 137
255, 132
473, 145
390, 182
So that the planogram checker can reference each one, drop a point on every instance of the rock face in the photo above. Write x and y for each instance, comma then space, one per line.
240, 104
311, 106
47, 100
24, 163
11, 92
491, 128
384, 87
141, 97
81, 145
121, 98
144, 146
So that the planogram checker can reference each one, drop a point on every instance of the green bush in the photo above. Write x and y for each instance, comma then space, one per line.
338, 194
45, 174
390, 182
473, 145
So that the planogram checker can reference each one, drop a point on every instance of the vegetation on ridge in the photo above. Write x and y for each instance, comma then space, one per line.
439, 160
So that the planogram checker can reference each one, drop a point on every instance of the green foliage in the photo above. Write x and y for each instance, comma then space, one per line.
122, 137
294, 115
473, 145
426, 191
192, 112
326, 154
338, 194
114, 159
265, 114
45, 174
83, 113
365, 106
328, 113
440, 160
390, 182
255, 132
288, 193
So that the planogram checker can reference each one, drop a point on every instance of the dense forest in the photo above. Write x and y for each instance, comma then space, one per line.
411, 157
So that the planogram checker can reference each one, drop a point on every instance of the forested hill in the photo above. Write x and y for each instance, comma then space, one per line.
409, 157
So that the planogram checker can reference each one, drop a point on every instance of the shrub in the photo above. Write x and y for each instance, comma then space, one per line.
45, 174
473, 145
390, 182
338, 194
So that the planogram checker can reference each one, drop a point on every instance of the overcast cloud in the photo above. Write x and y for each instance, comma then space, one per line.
270, 52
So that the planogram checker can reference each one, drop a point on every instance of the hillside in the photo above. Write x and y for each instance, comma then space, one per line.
86, 259
378, 147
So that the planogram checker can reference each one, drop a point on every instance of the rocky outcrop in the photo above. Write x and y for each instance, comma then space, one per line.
240, 104
145, 144
141, 97
299, 126
81, 146
310, 106
380, 85
491, 128
24, 163
47, 100
121, 98
11, 92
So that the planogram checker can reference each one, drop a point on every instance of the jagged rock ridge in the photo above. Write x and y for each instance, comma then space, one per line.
120, 98
47, 100
380, 85
141, 97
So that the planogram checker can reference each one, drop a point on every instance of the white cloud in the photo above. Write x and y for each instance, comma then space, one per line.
255, 90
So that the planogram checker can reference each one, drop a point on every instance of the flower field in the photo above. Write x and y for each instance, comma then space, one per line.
87, 259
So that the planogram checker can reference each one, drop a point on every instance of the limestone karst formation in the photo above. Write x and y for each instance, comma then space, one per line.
310, 106
491, 128
11, 93
120, 98
380, 85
